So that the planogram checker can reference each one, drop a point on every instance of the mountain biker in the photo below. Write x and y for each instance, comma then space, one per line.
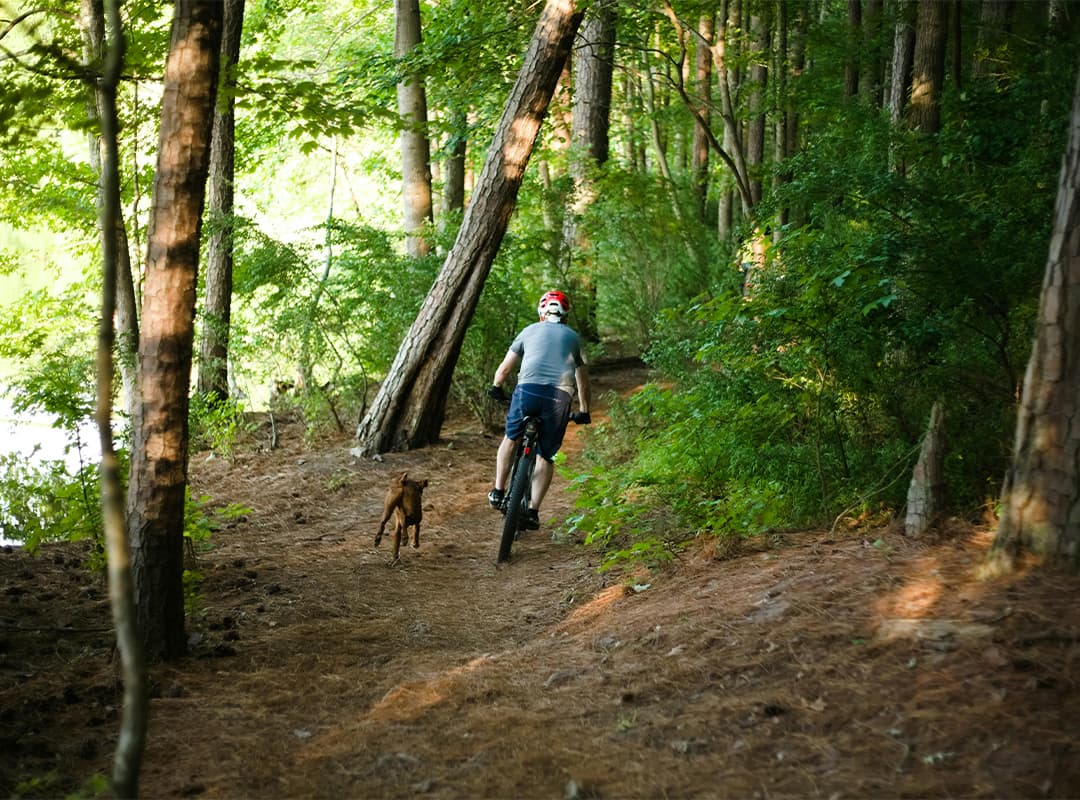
549, 352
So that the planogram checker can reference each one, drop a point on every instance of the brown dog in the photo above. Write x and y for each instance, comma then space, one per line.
404, 500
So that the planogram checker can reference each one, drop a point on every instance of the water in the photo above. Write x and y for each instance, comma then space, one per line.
34, 437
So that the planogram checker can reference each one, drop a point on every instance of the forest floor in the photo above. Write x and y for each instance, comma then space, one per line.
848, 664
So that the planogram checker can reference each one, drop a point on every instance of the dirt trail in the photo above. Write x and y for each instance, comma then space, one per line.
854, 664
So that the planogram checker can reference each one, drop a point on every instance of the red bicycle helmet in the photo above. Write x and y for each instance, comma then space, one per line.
553, 304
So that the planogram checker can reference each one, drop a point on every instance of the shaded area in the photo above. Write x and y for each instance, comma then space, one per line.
861, 664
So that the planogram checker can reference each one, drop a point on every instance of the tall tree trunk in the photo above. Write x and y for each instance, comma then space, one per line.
993, 19
409, 408
594, 68
703, 91
633, 151
415, 148
126, 307
217, 309
759, 71
306, 366
928, 68
854, 44
727, 77
902, 56
956, 31
131, 741
159, 454
453, 195
872, 71
662, 162
731, 151
780, 68
1040, 500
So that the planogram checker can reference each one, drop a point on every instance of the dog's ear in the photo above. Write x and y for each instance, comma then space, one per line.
424, 483
404, 478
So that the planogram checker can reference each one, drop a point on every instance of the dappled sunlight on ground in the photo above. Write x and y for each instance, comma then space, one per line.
919, 594
806, 664
408, 700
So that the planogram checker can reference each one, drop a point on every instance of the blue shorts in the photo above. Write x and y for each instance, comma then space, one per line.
552, 405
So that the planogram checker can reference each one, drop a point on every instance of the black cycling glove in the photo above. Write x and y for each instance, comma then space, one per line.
580, 418
497, 393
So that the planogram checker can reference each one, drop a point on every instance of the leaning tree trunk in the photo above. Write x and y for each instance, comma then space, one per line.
160, 427
409, 408
217, 308
1040, 501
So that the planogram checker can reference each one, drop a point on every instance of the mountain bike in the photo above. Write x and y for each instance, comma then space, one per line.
519, 488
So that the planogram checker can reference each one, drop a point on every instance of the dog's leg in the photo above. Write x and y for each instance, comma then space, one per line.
399, 527
382, 525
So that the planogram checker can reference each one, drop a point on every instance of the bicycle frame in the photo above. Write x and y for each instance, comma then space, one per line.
519, 491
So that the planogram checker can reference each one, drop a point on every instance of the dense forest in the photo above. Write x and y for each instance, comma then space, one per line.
832, 229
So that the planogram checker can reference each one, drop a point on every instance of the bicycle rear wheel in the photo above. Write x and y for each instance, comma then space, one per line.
516, 502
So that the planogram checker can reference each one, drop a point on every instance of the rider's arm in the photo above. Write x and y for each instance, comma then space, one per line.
584, 389
506, 367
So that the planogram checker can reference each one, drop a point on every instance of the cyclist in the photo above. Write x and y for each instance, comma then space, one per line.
549, 352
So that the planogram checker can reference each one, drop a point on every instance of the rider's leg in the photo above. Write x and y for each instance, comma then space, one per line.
542, 474
502, 463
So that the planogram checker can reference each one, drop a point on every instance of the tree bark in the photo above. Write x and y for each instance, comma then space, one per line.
126, 333
728, 79
928, 69
699, 162
925, 492
453, 195
409, 408
594, 69
903, 51
131, 741
160, 428
755, 138
871, 73
217, 308
854, 42
783, 108
993, 19
415, 147
1040, 500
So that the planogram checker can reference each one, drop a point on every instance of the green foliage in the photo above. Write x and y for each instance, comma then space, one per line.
342, 324
52, 377
201, 522
505, 307
806, 397
44, 502
641, 257
215, 423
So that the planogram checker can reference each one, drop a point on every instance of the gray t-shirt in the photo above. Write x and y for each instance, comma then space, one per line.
550, 353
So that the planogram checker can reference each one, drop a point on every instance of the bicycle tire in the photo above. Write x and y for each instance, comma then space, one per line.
516, 502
